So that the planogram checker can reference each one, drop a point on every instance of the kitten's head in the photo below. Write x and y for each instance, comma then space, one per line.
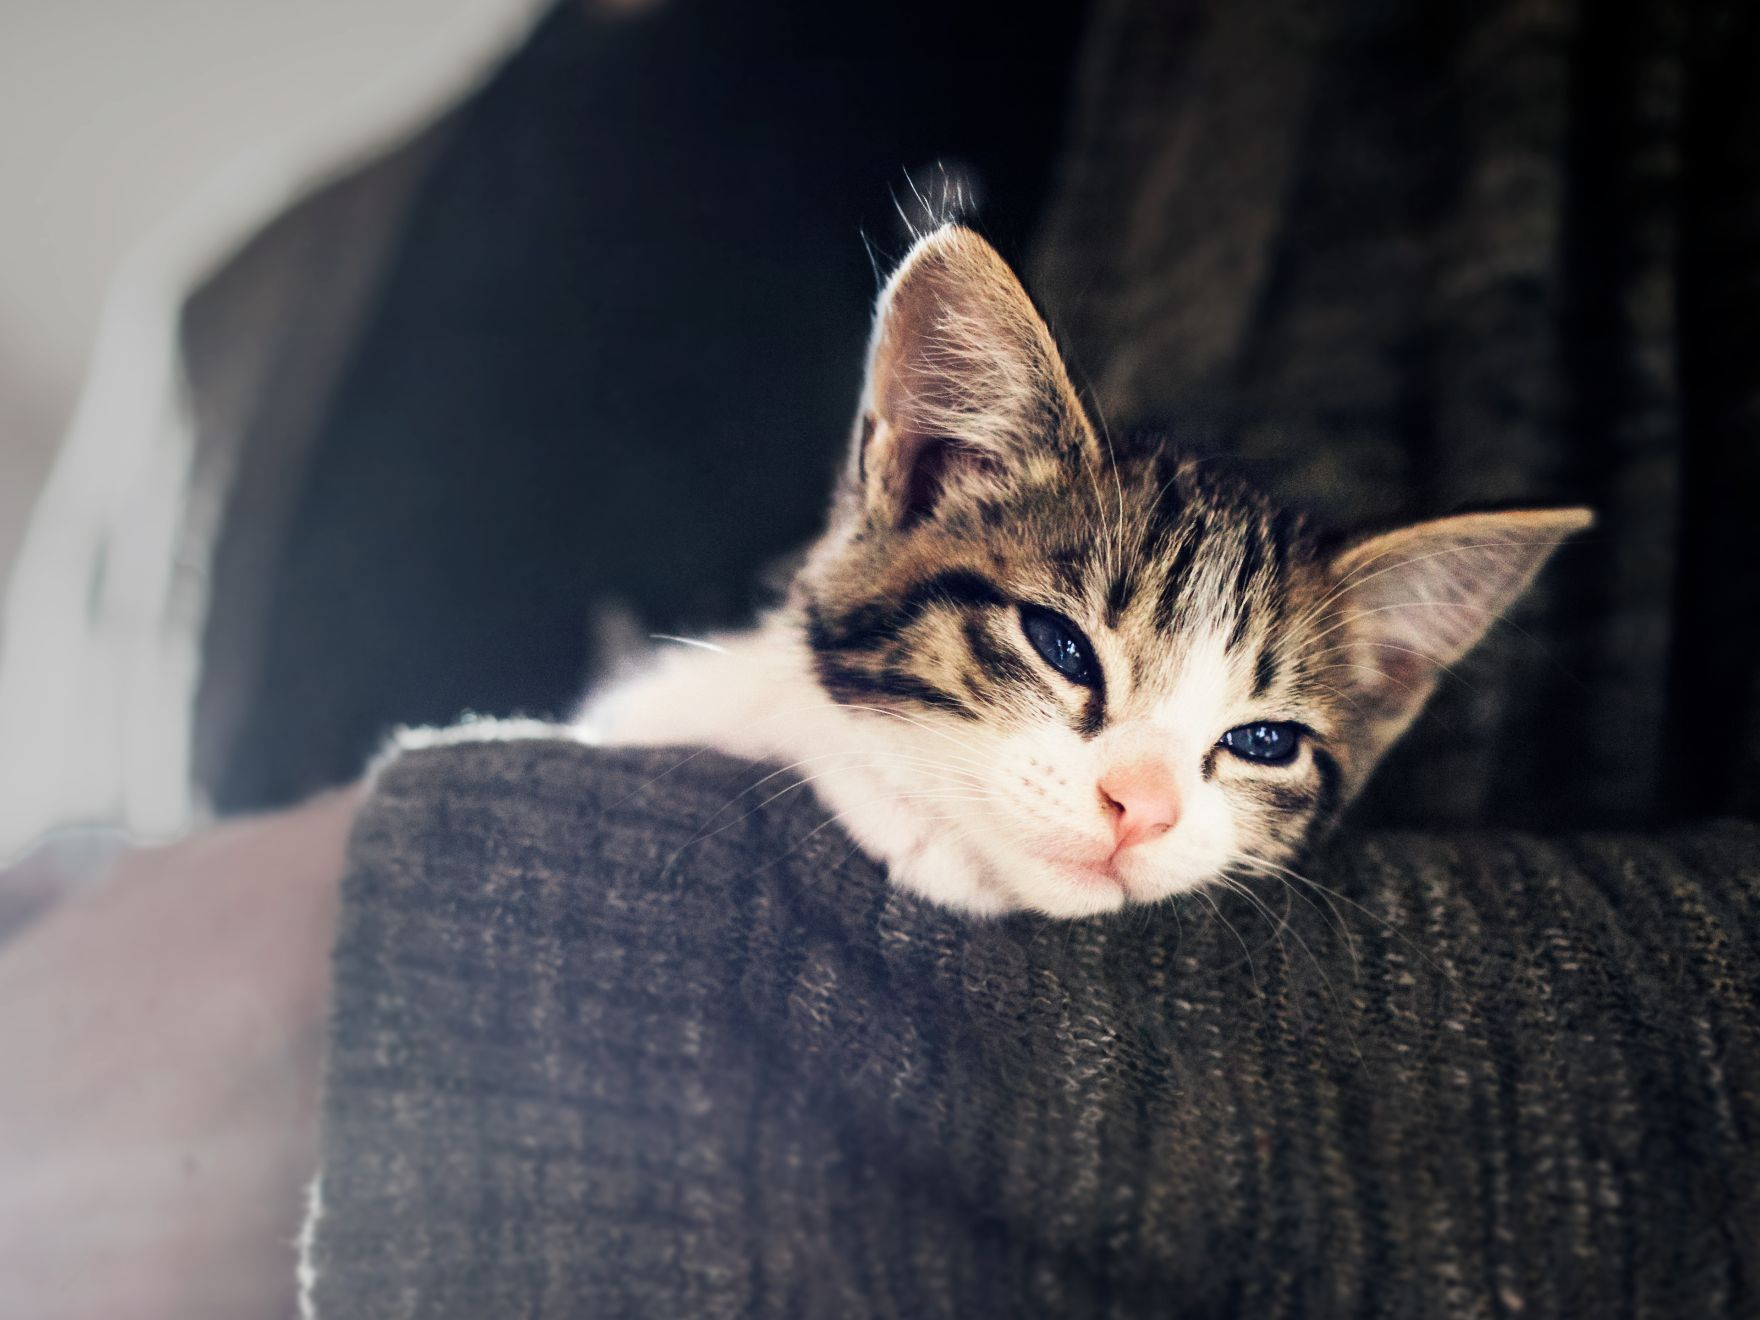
1113, 676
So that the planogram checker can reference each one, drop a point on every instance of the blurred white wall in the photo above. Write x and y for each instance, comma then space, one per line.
114, 114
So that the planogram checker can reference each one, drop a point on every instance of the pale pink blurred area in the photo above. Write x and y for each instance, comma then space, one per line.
159, 1108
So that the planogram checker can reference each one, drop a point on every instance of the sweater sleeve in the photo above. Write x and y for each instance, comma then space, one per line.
615, 1035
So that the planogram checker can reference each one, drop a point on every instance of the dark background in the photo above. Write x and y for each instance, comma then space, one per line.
605, 320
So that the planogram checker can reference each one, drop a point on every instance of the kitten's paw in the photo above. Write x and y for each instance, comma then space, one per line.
944, 873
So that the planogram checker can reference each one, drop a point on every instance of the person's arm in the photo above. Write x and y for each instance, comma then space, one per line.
160, 1041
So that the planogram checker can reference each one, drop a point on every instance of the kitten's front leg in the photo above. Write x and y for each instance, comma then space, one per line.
744, 694
943, 872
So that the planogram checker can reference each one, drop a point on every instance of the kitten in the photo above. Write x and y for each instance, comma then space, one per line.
1027, 672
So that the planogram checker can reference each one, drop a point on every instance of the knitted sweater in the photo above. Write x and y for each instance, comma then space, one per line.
611, 1039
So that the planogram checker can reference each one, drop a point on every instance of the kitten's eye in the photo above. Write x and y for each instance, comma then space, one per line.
1061, 644
1268, 744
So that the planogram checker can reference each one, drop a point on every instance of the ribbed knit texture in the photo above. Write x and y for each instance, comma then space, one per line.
613, 1039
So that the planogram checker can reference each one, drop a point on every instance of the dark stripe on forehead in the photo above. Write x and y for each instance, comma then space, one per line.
956, 586
874, 623
1118, 596
1252, 559
1174, 584
1265, 669
1071, 564
1243, 614
1282, 537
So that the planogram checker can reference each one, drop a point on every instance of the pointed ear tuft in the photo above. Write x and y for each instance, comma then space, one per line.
964, 381
1416, 600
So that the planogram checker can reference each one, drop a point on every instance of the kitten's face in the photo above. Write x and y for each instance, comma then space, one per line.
1108, 678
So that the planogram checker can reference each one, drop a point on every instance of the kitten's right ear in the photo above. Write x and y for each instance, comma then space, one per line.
1415, 600
965, 387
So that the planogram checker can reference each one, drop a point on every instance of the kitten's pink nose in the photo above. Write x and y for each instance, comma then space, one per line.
1143, 800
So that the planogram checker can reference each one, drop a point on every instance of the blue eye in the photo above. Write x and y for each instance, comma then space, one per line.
1061, 644
1268, 744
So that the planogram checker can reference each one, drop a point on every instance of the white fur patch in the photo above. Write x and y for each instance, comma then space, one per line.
981, 818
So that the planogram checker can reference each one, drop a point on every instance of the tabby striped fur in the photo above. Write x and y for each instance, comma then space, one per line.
898, 680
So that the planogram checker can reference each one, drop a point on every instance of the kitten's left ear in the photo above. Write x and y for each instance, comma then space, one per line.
1416, 600
965, 386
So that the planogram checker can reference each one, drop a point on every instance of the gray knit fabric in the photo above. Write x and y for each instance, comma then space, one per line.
611, 1038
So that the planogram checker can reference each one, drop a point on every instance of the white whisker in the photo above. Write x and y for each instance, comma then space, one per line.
688, 641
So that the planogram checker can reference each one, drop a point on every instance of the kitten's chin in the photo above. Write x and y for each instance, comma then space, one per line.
1067, 889
1074, 891
1052, 888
